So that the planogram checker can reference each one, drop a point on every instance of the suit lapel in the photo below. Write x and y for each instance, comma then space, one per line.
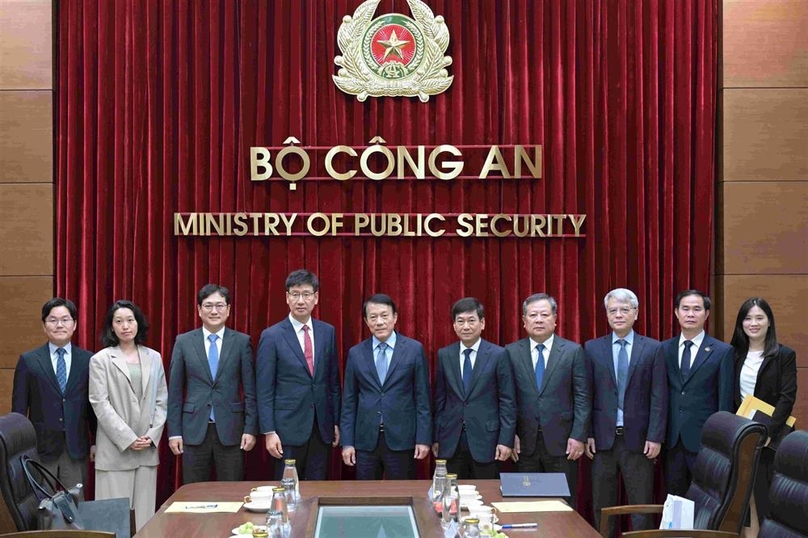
553, 361
76, 367
145, 369
634, 356
398, 351
705, 349
202, 356
527, 361
46, 365
370, 363
454, 377
227, 351
483, 354
117, 360
608, 358
672, 360
291, 339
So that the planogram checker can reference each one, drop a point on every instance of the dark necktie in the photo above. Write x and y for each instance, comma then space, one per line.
308, 349
381, 362
213, 362
622, 372
685, 368
539, 365
61, 369
467, 370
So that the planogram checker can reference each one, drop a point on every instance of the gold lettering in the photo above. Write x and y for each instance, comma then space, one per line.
393, 224
187, 227
449, 169
464, 221
363, 162
304, 157
336, 222
516, 231
521, 156
417, 168
378, 232
429, 231
577, 221
271, 221
481, 225
494, 229
239, 220
361, 220
537, 222
288, 221
312, 219
214, 222
494, 154
259, 158
330, 167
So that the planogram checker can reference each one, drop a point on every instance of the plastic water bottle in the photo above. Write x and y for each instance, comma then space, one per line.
290, 471
450, 500
437, 482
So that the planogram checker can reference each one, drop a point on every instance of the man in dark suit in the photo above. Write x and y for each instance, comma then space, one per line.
209, 422
386, 421
51, 389
297, 371
630, 409
475, 406
553, 398
700, 383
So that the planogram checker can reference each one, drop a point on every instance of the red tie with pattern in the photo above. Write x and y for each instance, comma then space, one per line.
308, 350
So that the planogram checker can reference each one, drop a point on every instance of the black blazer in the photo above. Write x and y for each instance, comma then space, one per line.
776, 385
57, 419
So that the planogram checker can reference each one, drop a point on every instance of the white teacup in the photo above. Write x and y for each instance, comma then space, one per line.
467, 489
486, 521
471, 503
482, 511
259, 496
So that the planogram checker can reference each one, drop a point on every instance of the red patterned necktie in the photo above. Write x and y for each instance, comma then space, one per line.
308, 350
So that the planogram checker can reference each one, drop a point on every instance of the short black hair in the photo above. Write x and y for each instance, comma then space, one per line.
56, 302
378, 298
687, 293
468, 304
209, 289
108, 336
301, 277
540, 297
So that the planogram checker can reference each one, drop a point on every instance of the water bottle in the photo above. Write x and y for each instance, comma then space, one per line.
279, 502
290, 471
289, 489
471, 528
437, 483
450, 500
275, 525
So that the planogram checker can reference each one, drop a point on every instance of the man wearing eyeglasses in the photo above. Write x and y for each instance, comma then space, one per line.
298, 383
51, 389
209, 423
630, 409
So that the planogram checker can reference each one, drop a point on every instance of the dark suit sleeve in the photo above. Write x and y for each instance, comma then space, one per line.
658, 416
788, 390
19, 394
176, 390
590, 377
726, 381
248, 386
349, 401
265, 369
423, 421
582, 393
333, 378
440, 396
506, 391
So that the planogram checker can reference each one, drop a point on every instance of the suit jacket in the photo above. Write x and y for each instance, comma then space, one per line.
707, 389
776, 385
122, 417
36, 394
289, 397
562, 406
645, 408
192, 390
488, 409
402, 401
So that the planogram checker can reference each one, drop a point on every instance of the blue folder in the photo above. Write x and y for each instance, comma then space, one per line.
534, 485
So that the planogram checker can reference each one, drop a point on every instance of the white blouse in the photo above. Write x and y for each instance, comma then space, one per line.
749, 372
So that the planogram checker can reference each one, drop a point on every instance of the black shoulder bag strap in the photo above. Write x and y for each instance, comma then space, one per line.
62, 502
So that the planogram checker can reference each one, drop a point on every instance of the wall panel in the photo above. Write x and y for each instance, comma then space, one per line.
26, 136
26, 236
26, 44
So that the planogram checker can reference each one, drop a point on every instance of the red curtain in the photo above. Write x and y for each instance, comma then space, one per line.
159, 101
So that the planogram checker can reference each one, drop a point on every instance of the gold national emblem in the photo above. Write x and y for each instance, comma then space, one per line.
393, 55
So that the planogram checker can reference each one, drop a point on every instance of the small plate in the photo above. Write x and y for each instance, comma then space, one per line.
257, 507
239, 534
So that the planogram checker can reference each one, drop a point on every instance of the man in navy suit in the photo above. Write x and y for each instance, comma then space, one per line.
630, 409
700, 383
553, 397
209, 423
475, 405
386, 421
298, 383
51, 389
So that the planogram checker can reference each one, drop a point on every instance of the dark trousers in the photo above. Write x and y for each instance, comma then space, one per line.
464, 466
638, 480
763, 482
311, 458
198, 460
541, 461
679, 464
385, 463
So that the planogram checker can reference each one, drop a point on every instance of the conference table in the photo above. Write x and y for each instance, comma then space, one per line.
352, 493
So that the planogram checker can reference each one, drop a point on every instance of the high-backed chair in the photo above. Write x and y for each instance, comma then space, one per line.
722, 478
17, 439
789, 491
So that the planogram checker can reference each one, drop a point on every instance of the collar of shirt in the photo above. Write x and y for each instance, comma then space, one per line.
206, 334
697, 340
548, 346
391, 342
474, 349
297, 326
68, 356
629, 338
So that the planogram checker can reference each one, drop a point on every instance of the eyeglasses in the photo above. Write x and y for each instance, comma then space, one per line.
207, 307
306, 295
57, 321
625, 310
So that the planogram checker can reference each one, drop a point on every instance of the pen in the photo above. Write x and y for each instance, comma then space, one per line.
520, 526
201, 506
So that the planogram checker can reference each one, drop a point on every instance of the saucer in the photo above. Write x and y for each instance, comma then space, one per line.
464, 501
239, 534
257, 507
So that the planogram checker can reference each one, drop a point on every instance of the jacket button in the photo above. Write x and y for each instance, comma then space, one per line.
312, 405
382, 395
683, 393
60, 420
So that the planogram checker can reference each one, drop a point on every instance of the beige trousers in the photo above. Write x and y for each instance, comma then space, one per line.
139, 485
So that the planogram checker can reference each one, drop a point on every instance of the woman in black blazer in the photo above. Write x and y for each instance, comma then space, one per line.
767, 370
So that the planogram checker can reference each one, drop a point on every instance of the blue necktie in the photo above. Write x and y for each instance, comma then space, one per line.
213, 362
539, 366
61, 369
622, 372
467, 370
381, 361
685, 368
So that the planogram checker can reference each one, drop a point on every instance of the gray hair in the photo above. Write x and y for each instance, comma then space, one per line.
622, 295
539, 297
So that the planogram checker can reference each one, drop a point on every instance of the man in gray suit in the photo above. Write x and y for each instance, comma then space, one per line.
475, 409
208, 421
553, 395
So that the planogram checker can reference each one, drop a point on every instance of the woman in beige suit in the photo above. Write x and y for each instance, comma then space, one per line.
129, 396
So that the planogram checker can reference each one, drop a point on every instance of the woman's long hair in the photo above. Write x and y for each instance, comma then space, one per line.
740, 341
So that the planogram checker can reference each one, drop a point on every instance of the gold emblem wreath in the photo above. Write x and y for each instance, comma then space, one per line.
356, 78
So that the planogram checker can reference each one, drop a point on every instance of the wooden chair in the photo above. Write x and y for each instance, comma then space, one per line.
722, 481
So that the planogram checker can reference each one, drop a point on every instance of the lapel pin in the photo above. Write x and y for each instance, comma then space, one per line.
707, 349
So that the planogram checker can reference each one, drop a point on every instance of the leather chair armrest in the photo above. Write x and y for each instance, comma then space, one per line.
610, 511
